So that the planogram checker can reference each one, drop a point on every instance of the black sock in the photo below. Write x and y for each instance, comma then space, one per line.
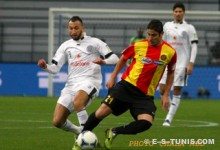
133, 128
91, 123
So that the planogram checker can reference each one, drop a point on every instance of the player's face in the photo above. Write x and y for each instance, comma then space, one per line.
154, 37
75, 30
178, 15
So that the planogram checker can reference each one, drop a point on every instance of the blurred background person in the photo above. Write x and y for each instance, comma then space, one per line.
183, 38
140, 36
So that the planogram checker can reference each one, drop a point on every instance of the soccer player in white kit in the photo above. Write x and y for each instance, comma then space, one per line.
183, 38
84, 74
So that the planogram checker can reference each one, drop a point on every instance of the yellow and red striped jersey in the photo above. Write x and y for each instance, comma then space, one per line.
148, 65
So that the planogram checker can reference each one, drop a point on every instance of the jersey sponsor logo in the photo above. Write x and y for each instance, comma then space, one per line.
158, 62
146, 60
80, 63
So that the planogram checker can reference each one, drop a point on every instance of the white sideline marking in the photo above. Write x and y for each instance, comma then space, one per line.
22, 128
27, 121
185, 123
198, 123
39, 121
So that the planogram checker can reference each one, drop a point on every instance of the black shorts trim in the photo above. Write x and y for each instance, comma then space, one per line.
94, 90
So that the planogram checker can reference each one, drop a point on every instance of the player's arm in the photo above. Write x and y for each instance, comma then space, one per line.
194, 48
169, 82
193, 38
109, 59
121, 63
107, 56
57, 62
53, 68
166, 95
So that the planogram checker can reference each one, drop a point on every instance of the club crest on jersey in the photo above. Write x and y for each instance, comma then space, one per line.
90, 49
146, 60
163, 57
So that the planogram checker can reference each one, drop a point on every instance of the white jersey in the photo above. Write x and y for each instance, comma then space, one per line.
180, 37
80, 55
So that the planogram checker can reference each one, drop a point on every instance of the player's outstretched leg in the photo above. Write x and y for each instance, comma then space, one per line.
132, 128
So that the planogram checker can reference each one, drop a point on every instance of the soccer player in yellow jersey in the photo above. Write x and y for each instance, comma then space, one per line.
135, 91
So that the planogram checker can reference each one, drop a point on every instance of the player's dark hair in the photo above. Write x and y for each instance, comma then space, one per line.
179, 5
155, 25
76, 18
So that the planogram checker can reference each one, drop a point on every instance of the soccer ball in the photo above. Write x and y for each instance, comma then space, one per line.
87, 140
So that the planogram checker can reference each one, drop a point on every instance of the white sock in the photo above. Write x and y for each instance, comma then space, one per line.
69, 126
82, 117
173, 107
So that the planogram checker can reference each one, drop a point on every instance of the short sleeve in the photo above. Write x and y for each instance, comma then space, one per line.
60, 56
128, 52
193, 37
102, 47
172, 63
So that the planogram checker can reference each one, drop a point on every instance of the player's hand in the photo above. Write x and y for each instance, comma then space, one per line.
42, 63
110, 83
189, 69
165, 102
99, 61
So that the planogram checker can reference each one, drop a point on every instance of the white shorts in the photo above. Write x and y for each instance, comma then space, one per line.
67, 94
180, 77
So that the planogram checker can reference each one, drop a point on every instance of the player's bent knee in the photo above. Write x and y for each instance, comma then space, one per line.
78, 106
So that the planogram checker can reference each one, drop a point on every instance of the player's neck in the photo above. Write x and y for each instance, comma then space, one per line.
178, 21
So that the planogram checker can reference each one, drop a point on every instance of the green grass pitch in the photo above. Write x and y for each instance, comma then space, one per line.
25, 124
